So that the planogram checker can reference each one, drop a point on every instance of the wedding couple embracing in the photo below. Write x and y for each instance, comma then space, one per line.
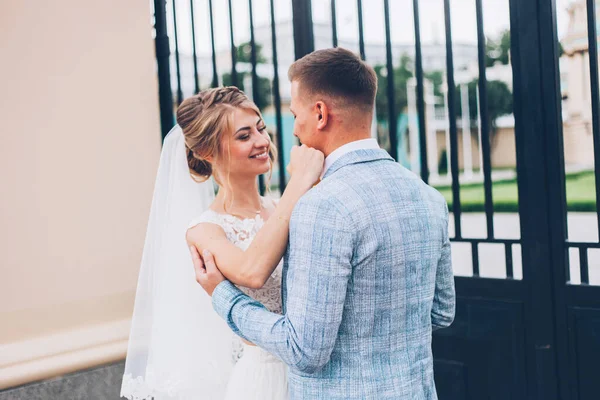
331, 292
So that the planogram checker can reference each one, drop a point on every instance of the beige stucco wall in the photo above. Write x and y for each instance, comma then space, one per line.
577, 107
503, 148
504, 152
579, 143
80, 145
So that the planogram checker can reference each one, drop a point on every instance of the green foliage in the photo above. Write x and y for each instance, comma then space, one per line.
244, 55
437, 78
443, 163
401, 76
498, 50
581, 195
499, 98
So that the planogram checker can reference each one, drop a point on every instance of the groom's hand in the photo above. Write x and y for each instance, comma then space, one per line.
207, 273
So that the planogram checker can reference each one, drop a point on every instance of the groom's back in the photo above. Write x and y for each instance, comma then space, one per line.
383, 348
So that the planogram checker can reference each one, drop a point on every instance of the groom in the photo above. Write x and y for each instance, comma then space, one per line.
367, 272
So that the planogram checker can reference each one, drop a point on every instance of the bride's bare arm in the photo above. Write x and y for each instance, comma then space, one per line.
252, 268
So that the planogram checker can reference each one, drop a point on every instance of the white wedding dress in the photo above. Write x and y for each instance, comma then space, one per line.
179, 348
257, 374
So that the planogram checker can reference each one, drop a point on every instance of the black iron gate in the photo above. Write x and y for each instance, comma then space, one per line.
532, 338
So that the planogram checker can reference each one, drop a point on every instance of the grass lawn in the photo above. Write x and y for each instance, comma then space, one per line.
581, 194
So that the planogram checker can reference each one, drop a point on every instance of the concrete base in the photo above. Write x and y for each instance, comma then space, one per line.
103, 383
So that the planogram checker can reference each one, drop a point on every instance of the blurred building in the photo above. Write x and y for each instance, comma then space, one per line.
576, 88
433, 54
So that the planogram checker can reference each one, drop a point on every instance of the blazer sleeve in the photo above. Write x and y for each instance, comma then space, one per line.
319, 267
444, 299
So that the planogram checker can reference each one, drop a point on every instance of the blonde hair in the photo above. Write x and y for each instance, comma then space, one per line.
205, 119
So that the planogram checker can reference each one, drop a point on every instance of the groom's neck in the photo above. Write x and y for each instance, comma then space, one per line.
339, 139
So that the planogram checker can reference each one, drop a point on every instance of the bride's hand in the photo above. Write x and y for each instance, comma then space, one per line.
208, 274
306, 165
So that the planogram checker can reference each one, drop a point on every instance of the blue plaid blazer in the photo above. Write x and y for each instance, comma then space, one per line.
367, 277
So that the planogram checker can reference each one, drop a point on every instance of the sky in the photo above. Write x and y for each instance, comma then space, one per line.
464, 28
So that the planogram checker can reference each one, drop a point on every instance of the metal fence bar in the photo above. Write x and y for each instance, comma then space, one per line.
277, 102
391, 90
255, 88
195, 56
420, 95
161, 42
304, 40
177, 67
540, 157
590, 245
567, 268
452, 122
593, 56
234, 77
215, 77
484, 124
475, 258
361, 33
487, 241
334, 24
253, 62
509, 261
584, 265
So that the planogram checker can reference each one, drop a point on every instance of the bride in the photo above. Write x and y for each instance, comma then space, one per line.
178, 347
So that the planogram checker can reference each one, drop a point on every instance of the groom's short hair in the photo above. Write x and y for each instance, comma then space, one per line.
336, 72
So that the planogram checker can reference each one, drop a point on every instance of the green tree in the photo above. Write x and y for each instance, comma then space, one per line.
244, 55
498, 50
437, 79
499, 99
401, 76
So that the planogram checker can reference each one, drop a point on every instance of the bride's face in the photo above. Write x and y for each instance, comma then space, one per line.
246, 151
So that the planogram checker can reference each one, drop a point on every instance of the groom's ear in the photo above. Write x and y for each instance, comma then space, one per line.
322, 114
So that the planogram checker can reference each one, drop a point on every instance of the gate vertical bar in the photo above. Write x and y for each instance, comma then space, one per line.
234, 77
215, 77
541, 186
277, 102
451, 90
361, 31
509, 261
253, 60
584, 265
194, 53
556, 195
304, 40
593, 55
255, 89
391, 92
475, 258
420, 94
177, 65
334, 24
484, 140
165, 95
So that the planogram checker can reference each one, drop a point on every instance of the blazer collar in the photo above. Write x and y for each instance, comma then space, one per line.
356, 157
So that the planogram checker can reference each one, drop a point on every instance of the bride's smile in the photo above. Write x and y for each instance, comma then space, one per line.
246, 153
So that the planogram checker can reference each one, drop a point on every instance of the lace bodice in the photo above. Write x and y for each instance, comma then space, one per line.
241, 232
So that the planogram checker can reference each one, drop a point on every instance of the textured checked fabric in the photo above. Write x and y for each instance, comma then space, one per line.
367, 276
